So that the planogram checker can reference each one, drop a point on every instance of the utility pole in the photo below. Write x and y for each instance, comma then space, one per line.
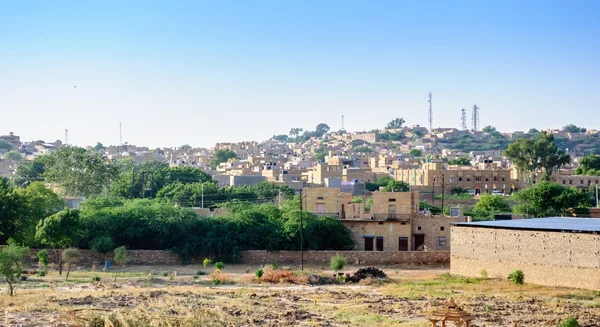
433, 191
120, 134
202, 196
301, 235
597, 196
430, 111
443, 184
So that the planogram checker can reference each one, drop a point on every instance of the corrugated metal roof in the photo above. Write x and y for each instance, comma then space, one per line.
584, 225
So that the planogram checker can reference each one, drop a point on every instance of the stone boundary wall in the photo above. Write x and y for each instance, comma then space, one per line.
546, 258
161, 257
352, 257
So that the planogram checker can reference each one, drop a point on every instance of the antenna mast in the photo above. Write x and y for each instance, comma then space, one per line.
430, 112
343, 129
463, 119
66, 136
475, 119
120, 134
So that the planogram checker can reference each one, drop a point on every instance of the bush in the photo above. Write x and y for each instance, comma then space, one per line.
165, 273
121, 255
95, 279
517, 277
484, 274
569, 322
206, 263
200, 273
43, 259
102, 244
283, 277
23, 278
219, 266
259, 273
42, 273
337, 262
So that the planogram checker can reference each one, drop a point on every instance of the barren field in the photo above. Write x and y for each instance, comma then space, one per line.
143, 296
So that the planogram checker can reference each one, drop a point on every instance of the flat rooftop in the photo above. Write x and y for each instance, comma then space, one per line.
556, 224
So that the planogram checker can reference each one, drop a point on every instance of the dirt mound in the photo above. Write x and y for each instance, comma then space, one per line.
363, 273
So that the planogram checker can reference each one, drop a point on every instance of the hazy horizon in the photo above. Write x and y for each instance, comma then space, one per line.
199, 73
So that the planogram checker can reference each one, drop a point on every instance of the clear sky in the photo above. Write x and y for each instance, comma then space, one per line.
200, 72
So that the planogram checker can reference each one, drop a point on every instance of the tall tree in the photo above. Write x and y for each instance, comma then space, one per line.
396, 186
30, 171
41, 202
221, 156
537, 156
98, 147
550, 199
573, 129
321, 129
79, 171
395, 123
11, 264
295, 131
61, 230
142, 180
13, 209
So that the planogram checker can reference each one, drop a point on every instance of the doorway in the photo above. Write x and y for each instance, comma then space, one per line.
403, 244
419, 241
379, 243
368, 244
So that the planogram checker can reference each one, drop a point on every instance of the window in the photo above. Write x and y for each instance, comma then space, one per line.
418, 227
460, 179
319, 198
379, 243
495, 179
570, 182
581, 181
486, 179
392, 200
564, 181
442, 241
403, 244
468, 179
503, 179
442, 228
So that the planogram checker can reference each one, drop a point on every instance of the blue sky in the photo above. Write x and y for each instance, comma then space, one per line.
200, 72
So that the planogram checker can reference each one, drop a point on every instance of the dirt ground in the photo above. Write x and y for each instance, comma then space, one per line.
143, 296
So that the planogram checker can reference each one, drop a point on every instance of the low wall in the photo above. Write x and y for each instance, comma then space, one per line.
352, 257
160, 257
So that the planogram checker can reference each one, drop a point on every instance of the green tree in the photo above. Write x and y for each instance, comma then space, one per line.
70, 256
185, 147
573, 129
537, 156
415, 152
5, 145
43, 260
142, 180
13, 210
461, 161
489, 205
294, 132
396, 186
533, 131
40, 202
395, 123
98, 147
102, 245
489, 129
30, 171
13, 155
550, 199
11, 264
321, 129
121, 257
61, 230
79, 171
221, 156
589, 165
380, 182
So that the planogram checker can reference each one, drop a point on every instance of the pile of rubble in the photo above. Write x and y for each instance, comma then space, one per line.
364, 273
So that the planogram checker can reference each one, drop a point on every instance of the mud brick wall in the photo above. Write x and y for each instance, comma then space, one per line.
136, 257
352, 257
546, 258
160, 257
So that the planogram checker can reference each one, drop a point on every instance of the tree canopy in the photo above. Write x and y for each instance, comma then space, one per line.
395, 123
550, 199
13, 155
396, 186
573, 129
537, 156
221, 156
589, 165
415, 152
461, 161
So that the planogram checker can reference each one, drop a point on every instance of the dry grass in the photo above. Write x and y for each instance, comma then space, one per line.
280, 276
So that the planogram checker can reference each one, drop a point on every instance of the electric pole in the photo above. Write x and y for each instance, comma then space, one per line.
597, 196
301, 235
202, 196
430, 111
443, 184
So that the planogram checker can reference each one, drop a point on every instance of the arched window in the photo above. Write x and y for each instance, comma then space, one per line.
460, 179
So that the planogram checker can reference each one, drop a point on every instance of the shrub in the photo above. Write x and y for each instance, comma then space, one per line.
337, 262
96, 279
165, 273
43, 259
283, 277
569, 322
121, 257
259, 273
23, 278
517, 277
42, 273
200, 273
70, 256
484, 274
102, 244
206, 263
219, 266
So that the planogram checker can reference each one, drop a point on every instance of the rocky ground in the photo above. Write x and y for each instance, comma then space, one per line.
406, 299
